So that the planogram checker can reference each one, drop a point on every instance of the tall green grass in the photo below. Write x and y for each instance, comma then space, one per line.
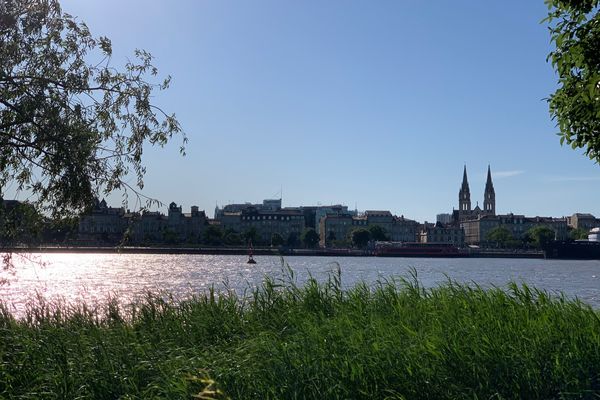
393, 340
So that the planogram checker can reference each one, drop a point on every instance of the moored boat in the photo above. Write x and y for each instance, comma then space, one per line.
413, 249
576, 249
573, 250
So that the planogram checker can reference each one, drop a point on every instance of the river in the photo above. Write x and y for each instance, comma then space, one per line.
95, 277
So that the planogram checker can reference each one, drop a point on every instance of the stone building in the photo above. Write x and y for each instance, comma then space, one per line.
147, 227
266, 205
230, 221
440, 233
583, 221
384, 219
109, 225
477, 222
403, 230
477, 230
288, 222
322, 211
175, 227
102, 224
444, 218
558, 225
337, 228
185, 227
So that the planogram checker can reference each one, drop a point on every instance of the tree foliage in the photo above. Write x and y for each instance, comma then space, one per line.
71, 125
251, 236
277, 239
575, 31
578, 234
310, 238
378, 233
232, 238
500, 235
331, 236
540, 236
169, 236
292, 239
20, 224
360, 237
213, 235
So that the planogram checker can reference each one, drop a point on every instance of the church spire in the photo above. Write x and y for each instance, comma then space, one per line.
489, 197
465, 182
489, 179
464, 195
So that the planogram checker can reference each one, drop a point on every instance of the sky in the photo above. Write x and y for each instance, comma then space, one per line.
376, 105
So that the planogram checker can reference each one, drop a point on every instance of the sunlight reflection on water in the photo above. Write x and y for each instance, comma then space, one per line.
94, 277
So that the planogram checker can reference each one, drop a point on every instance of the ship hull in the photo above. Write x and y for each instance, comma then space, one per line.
579, 250
418, 250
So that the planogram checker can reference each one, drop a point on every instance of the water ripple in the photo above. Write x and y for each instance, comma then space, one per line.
94, 277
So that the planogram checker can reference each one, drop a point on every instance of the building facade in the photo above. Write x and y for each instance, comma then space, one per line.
336, 228
440, 233
185, 227
266, 205
583, 221
477, 230
112, 225
444, 218
287, 222
404, 230
102, 224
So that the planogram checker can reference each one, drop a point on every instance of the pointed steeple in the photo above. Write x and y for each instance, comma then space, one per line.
464, 195
489, 179
489, 196
465, 181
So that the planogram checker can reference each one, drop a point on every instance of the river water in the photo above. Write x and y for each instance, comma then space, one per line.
94, 278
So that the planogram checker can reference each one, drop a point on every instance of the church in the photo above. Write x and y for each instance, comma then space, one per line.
465, 212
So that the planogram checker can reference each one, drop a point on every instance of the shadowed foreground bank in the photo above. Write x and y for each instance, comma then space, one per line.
396, 340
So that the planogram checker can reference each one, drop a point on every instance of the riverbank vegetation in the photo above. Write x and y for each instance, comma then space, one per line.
283, 340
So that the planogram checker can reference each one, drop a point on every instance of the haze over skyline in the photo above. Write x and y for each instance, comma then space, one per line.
373, 105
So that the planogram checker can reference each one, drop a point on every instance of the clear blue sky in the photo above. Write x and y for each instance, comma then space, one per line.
378, 104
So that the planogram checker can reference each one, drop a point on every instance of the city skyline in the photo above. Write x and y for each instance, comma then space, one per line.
467, 207
376, 106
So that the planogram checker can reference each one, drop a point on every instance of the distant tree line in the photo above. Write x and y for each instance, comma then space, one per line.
215, 235
22, 225
537, 237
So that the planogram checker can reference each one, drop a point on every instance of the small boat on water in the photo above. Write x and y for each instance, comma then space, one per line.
251, 259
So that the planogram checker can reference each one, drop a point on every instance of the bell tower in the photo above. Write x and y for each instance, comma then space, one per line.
464, 195
489, 196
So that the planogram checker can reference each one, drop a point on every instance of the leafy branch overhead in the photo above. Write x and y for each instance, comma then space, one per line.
72, 125
575, 31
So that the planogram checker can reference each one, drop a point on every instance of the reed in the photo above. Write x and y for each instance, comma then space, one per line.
282, 340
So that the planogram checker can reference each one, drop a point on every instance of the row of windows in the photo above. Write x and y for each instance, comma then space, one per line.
270, 225
104, 229
515, 221
275, 217
444, 238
